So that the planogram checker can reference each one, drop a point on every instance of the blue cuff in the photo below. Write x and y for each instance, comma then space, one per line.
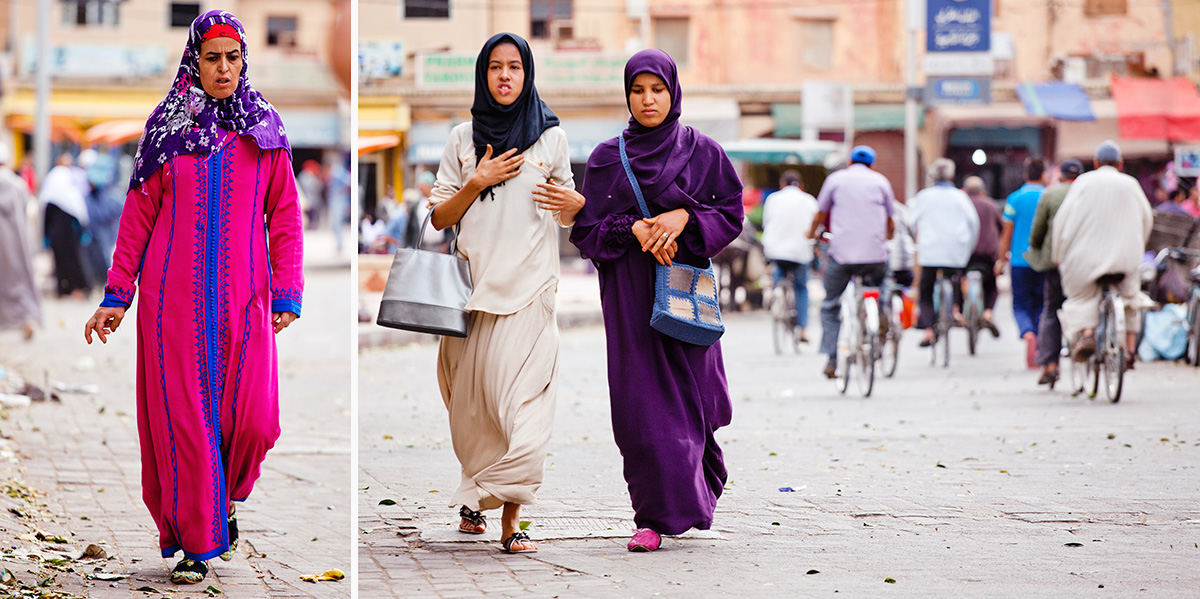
112, 301
286, 305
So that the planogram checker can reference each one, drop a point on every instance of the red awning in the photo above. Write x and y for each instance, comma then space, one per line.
1157, 108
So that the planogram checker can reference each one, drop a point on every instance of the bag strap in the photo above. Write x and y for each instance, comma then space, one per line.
425, 223
637, 189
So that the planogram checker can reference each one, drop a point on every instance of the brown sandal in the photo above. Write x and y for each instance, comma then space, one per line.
473, 523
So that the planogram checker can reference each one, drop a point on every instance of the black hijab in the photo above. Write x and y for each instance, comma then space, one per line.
518, 125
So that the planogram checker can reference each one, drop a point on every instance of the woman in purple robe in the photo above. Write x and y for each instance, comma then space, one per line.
211, 243
668, 397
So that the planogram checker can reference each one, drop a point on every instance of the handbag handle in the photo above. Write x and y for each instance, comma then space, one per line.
637, 189
425, 223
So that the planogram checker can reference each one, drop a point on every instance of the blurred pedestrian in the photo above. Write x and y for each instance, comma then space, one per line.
1192, 205
946, 227
1101, 228
65, 216
104, 215
312, 185
786, 216
338, 197
1039, 256
505, 179
987, 249
213, 166
668, 397
20, 306
1174, 203
1027, 293
859, 204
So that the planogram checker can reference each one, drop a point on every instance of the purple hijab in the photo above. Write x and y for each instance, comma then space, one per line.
189, 120
675, 165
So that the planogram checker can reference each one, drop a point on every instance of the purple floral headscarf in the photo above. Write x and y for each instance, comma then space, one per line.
188, 120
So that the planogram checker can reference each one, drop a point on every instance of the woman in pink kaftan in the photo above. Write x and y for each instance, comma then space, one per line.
211, 242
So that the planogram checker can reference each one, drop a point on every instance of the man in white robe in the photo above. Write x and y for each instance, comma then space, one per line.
20, 307
1101, 228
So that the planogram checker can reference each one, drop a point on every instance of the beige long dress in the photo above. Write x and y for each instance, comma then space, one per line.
500, 382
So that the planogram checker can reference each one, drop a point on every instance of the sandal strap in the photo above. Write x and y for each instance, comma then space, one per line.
515, 538
475, 518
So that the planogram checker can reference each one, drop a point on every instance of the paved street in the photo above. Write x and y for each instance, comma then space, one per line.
967, 481
81, 455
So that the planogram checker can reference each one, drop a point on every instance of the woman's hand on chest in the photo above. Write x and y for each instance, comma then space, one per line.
493, 170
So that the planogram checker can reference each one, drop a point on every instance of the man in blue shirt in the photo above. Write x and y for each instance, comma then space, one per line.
1026, 283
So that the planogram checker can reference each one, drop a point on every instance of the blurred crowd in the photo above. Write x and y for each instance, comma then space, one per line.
397, 222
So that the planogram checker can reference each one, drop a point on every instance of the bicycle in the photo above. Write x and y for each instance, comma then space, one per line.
1110, 355
783, 314
943, 308
858, 341
973, 308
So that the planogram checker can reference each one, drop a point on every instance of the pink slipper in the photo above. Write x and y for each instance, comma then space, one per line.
644, 539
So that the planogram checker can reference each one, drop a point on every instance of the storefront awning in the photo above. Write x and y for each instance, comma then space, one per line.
375, 143
1079, 139
1157, 109
114, 132
715, 117
781, 151
789, 121
1063, 101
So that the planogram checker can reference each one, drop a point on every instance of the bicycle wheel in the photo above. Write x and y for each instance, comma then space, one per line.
867, 346
891, 342
1193, 338
972, 328
1114, 354
846, 340
947, 318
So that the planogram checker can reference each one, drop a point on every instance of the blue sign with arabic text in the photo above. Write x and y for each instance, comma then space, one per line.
958, 26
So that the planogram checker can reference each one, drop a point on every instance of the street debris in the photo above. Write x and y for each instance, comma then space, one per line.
329, 575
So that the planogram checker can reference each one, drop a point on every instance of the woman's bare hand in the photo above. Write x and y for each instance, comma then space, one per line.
499, 169
104, 322
665, 254
281, 320
552, 196
664, 229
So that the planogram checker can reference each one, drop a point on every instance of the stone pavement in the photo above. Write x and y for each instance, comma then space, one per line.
967, 481
81, 455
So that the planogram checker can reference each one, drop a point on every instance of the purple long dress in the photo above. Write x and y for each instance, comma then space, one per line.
668, 397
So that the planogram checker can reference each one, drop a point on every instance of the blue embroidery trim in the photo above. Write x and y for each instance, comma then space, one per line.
162, 376
112, 301
114, 293
285, 305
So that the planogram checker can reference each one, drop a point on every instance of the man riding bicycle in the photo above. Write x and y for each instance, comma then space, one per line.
946, 227
858, 202
786, 213
1101, 228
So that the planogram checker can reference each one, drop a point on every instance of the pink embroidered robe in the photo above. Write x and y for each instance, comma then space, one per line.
215, 243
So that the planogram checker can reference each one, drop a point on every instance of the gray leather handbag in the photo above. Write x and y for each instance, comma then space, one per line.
427, 292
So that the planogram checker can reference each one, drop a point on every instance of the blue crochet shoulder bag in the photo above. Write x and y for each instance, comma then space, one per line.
685, 297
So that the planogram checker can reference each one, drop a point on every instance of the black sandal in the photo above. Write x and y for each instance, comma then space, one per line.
477, 520
233, 539
515, 538
189, 571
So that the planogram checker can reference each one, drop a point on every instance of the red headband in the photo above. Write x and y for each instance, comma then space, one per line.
220, 30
